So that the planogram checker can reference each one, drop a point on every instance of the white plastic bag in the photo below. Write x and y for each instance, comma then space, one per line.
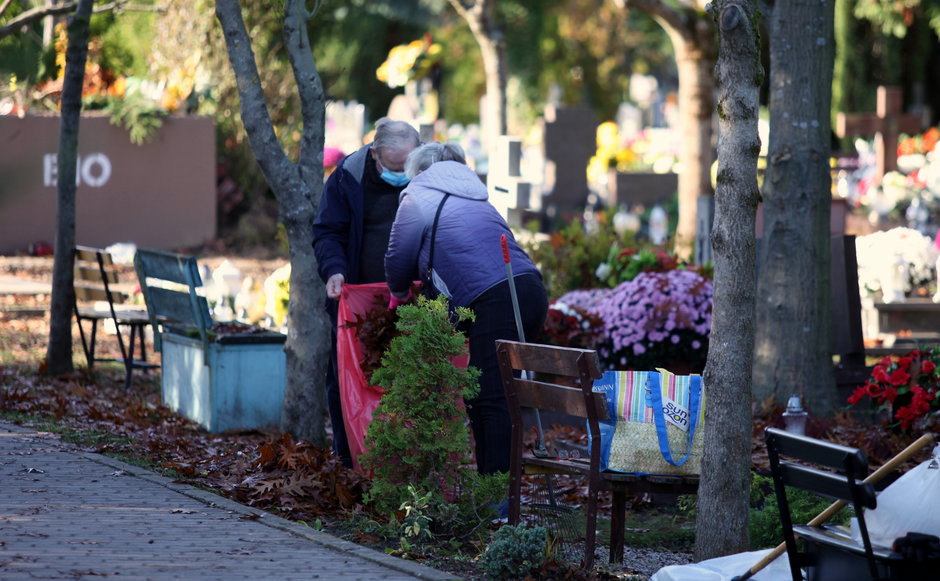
727, 568
908, 505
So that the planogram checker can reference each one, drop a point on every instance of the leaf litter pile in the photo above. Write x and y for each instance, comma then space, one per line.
267, 469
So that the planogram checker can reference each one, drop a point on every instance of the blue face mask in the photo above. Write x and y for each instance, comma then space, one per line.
394, 178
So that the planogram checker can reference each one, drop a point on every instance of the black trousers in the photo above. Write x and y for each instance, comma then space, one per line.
333, 402
489, 415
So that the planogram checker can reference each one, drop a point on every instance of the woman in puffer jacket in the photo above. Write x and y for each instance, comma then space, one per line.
468, 267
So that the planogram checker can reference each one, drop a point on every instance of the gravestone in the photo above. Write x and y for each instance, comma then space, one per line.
569, 137
704, 223
885, 125
918, 318
508, 191
847, 335
161, 194
426, 132
345, 125
640, 188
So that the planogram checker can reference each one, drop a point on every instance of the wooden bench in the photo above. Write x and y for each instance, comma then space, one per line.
838, 472
95, 281
570, 390
171, 286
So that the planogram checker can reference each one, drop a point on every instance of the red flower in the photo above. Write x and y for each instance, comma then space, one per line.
890, 394
857, 395
873, 389
909, 383
626, 253
880, 375
899, 377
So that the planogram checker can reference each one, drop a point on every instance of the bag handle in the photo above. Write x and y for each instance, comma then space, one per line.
656, 401
437, 216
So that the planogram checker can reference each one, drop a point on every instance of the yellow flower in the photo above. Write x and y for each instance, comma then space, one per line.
608, 136
407, 62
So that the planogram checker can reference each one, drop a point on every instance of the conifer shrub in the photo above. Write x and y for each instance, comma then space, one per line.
418, 435
515, 551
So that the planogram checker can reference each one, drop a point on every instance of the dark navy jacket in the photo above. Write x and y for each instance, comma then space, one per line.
337, 229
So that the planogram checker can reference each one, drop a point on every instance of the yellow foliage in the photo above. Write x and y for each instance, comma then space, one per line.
409, 62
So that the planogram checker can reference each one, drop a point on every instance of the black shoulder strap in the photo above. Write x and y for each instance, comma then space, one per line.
437, 217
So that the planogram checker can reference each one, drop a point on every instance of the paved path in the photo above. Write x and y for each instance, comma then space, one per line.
67, 514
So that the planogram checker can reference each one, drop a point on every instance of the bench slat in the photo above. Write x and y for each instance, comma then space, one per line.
842, 539
557, 398
828, 484
93, 293
89, 254
175, 306
815, 451
556, 361
168, 267
91, 272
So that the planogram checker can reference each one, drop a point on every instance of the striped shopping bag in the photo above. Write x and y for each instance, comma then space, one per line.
657, 422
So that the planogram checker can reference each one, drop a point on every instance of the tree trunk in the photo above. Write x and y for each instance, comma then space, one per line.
793, 346
693, 40
494, 66
695, 60
297, 187
481, 18
721, 517
59, 350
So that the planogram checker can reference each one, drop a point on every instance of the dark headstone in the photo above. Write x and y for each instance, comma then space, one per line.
570, 138
704, 223
640, 188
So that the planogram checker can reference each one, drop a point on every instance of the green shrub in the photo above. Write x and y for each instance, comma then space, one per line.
515, 551
570, 257
418, 435
764, 519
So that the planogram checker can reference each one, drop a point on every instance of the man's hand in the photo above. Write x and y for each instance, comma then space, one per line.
334, 284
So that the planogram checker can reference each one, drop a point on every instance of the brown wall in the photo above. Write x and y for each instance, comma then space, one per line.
158, 195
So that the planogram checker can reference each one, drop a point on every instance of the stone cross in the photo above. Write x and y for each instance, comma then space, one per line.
508, 192
886, 125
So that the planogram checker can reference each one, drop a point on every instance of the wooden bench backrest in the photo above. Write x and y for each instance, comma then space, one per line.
170, 284
94, 274
567, 378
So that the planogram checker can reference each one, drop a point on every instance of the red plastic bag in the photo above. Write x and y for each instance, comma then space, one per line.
358, 398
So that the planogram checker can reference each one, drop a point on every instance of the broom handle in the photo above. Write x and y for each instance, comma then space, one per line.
825, 515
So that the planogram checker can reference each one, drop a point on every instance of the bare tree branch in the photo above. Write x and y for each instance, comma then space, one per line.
4, 6
35, 14
670, 17
309, 14
310, 90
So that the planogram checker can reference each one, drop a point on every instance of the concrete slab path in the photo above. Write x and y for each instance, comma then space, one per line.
69, 514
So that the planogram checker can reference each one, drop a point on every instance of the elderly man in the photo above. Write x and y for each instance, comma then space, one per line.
351, 231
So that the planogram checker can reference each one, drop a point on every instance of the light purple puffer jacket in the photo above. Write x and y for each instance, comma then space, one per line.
468, 258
